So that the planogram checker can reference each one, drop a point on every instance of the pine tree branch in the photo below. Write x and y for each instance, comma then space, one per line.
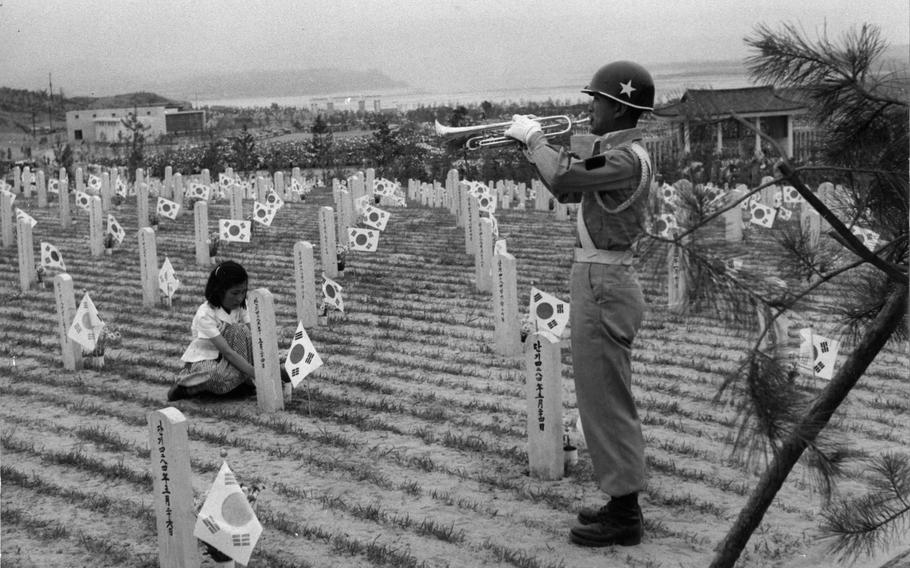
849, 239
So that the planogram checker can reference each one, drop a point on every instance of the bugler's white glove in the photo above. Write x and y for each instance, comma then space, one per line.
523, 126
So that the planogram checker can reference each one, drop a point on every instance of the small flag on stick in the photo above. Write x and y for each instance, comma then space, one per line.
302, 358
226, 520
50, 257
331, 292
550, 314
87, 325
234, 230
167, 278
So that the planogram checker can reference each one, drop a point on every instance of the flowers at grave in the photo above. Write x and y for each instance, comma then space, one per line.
527, 328
213, 241
341, 253
107, 337
39, 275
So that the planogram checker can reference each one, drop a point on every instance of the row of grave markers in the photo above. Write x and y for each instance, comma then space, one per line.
501, 281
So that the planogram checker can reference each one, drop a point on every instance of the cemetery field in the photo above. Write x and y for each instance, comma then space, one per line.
407, 448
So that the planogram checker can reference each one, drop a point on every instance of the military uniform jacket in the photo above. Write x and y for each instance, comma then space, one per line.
613, 173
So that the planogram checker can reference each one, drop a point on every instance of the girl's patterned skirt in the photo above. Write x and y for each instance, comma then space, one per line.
218, 376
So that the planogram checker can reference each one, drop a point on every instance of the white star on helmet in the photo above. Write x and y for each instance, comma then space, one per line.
626, 88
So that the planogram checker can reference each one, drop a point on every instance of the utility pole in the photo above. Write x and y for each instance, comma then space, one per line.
50, 104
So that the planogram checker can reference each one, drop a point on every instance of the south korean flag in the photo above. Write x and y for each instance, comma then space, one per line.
87, 325
226, 521
749, 203
665, 225
274, 200
550, 314
791, 196
383, 187
363, 239
234, 230
225, 181
83, 200
53, 185
167, 278
121, 187
263, 213
762, 215
668, 193
295, 186
20, 214
94, 182
302, 358
51, 258
375, 217
486, 203
784, 214
199, 191
114, 228
331, 293
167, 208
817, 354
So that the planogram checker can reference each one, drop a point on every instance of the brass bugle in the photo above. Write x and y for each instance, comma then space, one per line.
492, 135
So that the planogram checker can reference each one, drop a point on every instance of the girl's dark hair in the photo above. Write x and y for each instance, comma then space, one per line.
226, 275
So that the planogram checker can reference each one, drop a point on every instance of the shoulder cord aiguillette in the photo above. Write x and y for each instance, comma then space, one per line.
642, 184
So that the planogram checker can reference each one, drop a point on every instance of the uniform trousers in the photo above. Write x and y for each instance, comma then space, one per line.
607, 306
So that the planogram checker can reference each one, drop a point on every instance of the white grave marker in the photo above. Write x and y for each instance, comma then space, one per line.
27, 274
327, 244
66, 311
148, 266
172, 485
507, 339
266, 363
544, 406
305, 283
201, 233
95, 226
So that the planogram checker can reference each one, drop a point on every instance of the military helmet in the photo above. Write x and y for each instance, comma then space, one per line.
625, 82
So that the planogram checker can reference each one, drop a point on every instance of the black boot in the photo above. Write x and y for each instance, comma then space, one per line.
177, 392
619, 522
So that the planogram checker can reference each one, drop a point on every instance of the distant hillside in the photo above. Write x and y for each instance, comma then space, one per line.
279, 83
124, 101
21, 109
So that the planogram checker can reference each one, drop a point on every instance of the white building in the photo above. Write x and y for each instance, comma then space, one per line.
106, 124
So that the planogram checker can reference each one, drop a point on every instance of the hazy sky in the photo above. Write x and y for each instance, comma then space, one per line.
114, 46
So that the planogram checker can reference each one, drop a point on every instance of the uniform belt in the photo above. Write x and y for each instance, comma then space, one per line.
599, 256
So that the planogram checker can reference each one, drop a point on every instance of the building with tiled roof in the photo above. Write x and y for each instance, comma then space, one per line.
704, 114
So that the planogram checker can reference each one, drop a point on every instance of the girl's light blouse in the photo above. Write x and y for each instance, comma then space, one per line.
209, 322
